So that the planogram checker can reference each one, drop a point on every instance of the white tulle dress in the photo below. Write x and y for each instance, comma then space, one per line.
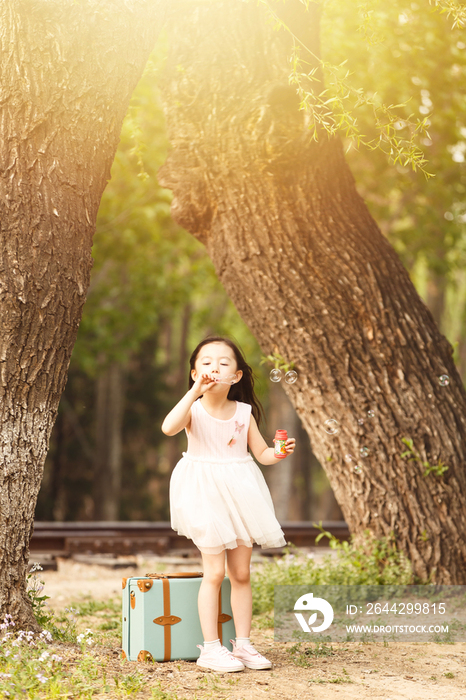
218, 495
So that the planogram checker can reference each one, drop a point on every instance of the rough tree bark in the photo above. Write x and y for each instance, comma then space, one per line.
68, 70
310, 272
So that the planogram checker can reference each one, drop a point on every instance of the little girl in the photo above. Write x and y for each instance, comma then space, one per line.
218, 495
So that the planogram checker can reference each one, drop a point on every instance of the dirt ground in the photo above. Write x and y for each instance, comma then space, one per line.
399, 671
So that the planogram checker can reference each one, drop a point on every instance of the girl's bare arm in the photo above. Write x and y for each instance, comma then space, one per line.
180, 416
260, 450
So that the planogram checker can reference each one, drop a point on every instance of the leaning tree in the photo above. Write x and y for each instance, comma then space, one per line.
68, 71
310, 272
291, 240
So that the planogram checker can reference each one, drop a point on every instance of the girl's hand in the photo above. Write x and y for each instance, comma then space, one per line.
290, 445
202, 384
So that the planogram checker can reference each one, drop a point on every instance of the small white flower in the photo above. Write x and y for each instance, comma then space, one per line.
36, 567
45, 655
41, 678
85, 637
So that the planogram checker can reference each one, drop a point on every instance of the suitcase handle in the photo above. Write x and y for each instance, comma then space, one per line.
178, 574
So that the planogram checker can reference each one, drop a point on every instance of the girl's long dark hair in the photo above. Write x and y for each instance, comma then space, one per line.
244, 389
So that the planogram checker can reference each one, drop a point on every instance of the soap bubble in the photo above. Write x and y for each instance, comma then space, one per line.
228, 379
291, 376
348, 458
357, 469
371, 413
276, 375
360, 421
331, 426
364, 451
444, 380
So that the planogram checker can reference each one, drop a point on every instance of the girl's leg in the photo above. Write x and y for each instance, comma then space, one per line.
238, 568
214, 573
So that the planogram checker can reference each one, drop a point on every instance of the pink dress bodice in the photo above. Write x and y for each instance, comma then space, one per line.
213, 440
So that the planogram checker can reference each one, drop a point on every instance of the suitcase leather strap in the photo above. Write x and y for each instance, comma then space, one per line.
167, 620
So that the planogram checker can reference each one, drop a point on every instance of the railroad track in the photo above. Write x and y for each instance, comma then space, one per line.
123, 538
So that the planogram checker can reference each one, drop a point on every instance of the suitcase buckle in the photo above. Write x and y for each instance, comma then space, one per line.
167, 620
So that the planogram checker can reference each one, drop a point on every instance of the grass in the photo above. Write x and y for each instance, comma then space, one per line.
362, 562
74, 658
69, 658
303, 654
39, 667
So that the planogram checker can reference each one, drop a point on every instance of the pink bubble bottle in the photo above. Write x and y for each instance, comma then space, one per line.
281, 436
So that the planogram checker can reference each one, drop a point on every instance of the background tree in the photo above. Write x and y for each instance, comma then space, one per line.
68, 71
310, 272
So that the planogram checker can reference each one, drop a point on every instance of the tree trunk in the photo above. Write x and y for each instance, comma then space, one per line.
108, 457
68, 70
310, 272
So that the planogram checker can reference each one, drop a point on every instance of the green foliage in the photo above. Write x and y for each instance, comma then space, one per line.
144, 264
147, 270
63, 627
35, 665
409, 54
26, 665
414, 456
452, 8
277, 361
334, 107
153, 295
38, 601
363, 562
392, 89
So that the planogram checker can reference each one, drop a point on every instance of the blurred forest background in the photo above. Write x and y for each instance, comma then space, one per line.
154, 293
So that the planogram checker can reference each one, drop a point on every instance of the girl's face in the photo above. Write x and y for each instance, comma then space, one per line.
219, 362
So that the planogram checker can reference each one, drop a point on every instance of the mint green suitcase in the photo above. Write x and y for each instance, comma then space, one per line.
160, 619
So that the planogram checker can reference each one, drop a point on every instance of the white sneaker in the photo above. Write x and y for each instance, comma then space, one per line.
219, 659
250, 657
